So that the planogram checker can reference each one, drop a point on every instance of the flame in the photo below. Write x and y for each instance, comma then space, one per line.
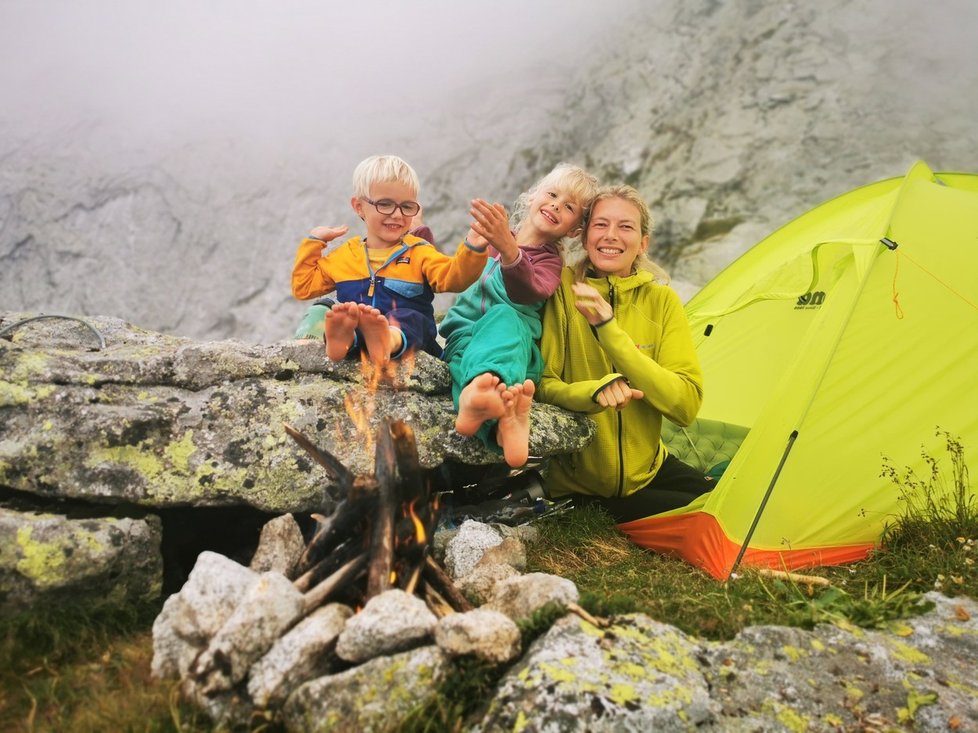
393, 577
419, 532
360, 407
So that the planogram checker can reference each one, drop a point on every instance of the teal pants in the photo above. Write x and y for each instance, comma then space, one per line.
500, 342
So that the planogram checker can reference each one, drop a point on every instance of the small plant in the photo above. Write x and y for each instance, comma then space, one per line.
932, 544
938, 506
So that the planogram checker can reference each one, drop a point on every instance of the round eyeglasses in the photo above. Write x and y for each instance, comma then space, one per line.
387, 207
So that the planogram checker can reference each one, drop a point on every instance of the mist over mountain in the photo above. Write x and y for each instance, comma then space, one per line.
165, 171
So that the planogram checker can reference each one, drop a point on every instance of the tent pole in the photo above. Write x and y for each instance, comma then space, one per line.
760, 509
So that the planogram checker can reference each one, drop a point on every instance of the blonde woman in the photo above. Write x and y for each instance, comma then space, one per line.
616, 345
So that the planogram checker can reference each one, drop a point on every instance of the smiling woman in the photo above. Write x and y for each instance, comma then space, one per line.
616, 345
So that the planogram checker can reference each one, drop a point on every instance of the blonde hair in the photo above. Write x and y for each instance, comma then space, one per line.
383, 169
632, 196
565, 178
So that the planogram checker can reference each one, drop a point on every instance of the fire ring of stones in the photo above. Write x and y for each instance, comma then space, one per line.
309, 622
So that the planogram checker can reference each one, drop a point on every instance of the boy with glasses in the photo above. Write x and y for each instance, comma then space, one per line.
385, 282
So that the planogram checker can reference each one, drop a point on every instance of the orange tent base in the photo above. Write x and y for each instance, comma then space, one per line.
698, 539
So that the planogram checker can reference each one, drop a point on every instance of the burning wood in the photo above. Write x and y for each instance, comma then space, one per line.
378, 537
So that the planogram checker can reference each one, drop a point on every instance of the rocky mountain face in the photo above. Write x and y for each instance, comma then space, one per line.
731, 118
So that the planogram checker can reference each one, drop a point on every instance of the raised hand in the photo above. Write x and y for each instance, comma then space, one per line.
591, 305
328, 234
492, 222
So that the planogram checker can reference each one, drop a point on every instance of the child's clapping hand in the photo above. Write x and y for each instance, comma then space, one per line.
491, 222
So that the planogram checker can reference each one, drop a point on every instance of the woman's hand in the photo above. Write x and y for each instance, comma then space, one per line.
492, 222
618, 394
592, 306
328, 234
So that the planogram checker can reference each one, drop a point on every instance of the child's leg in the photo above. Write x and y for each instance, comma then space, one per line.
339, 329
513, 429
380, 339
499, 343
480, 400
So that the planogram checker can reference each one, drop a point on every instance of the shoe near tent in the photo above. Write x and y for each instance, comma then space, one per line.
847, 336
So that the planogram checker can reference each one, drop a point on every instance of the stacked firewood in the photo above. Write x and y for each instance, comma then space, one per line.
378, 537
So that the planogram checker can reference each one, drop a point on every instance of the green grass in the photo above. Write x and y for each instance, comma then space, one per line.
61, 672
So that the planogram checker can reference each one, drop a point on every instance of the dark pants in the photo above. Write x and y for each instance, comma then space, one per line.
676, 484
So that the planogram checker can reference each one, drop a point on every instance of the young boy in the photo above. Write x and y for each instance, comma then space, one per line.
384, 282
492, 331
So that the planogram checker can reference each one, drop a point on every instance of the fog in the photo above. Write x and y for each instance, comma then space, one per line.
271, 73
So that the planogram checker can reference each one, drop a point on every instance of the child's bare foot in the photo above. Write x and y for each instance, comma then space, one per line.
376, 332
513, 430
480, 400
341, 323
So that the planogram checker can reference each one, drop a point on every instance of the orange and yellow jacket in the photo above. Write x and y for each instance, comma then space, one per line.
408, 278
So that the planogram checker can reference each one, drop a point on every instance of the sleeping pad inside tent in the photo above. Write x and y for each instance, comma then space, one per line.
847, 337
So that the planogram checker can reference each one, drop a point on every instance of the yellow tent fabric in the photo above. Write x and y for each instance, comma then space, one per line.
847, 336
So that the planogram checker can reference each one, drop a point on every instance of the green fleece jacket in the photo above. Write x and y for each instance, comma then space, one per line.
648, 342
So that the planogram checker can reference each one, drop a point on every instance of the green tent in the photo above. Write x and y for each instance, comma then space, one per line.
846, 337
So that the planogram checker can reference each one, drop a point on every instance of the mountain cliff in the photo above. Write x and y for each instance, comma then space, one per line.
730, 117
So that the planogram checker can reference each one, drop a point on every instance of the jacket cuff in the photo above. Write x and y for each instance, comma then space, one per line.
472, 247
610, 379
514, 263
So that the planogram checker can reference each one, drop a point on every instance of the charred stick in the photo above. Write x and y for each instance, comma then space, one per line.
337, 528
437, 578
318, 595
382, 538
340, 473
412, 583
328, 565
438, 605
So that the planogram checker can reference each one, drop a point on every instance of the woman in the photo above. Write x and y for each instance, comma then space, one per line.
616, 345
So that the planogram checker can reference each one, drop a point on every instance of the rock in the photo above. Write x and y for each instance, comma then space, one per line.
521, 596
844, 677
280, 546
480, 584
510, 551
190, 618
375, 696
160, 421
299, 656
467, 547
97, 562
637, 675
390, 622
483, 633
269, 607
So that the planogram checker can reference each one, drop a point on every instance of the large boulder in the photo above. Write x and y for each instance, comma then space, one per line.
162, 421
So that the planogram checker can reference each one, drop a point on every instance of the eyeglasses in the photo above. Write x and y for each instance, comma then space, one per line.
387, 207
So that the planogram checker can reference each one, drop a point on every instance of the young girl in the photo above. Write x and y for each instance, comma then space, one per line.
616, 344
492, 330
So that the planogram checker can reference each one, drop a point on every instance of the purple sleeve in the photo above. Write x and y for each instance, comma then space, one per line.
535, 276
424, 231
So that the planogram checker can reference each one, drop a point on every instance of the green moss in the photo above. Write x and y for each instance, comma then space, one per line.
136, 457
791, 719
620, 694
43, 561
908, 654
29, 366
178, 452
793, 653
13, 394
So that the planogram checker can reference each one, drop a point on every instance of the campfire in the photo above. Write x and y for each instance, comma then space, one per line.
379, 535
